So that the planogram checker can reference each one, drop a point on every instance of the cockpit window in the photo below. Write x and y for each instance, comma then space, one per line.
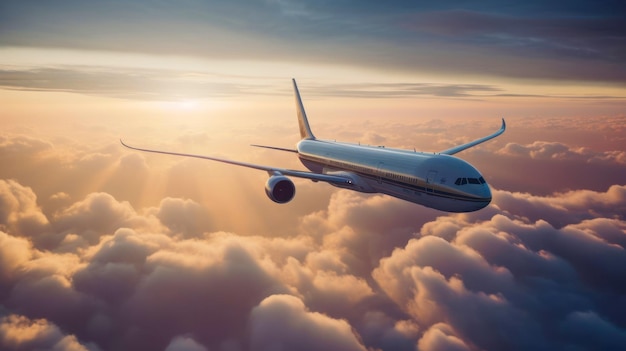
463, 181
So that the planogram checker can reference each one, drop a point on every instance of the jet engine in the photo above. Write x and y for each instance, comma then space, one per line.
280, 189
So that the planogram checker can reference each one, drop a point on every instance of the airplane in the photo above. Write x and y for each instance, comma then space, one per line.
436, 180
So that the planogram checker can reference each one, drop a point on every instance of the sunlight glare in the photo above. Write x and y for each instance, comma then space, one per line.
187, 105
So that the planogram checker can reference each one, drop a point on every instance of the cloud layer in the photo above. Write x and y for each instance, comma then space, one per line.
127, 279
174, 84
84, 265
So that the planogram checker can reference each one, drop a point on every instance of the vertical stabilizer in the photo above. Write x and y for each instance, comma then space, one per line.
305, 129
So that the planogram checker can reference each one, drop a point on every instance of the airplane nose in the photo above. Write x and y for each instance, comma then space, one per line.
485, 196
485, 193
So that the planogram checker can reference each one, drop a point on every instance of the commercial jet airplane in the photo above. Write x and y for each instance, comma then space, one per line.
436, 180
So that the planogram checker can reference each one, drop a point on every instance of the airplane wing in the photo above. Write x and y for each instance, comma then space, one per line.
270, 170
460, 148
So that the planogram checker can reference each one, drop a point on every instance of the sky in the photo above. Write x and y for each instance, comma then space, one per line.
103, 248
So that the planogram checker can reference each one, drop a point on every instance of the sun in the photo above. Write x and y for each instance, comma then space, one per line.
186, 105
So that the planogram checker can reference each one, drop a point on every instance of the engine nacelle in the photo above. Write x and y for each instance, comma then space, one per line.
280, 189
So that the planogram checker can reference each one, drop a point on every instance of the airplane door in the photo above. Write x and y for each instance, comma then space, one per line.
430, 181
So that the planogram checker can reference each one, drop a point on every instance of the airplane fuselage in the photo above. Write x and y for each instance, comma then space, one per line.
430, 179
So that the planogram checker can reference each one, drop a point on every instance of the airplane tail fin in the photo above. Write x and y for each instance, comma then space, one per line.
305, 129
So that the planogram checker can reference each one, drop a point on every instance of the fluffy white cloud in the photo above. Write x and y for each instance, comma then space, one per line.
183, 217
559, 209
440, 337
561, 151
282, 322
96, 270
19, 212
21, 333
501, 283
184, 343
14, 252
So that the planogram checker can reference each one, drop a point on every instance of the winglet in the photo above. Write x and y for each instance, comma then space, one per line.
460, 148
305, 129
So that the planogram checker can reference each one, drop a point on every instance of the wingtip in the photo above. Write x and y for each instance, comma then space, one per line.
503, 124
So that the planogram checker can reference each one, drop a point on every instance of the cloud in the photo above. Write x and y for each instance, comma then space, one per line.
108, 287
176, 85
184, 343
530, 271
406, 90
111, 279
70, 165
563, 208
98, 214
535, 37
19, 212
183, 217
363, 229
579, 37
578, 157
325, 290
592, 331
126, 83
441, 337
366, 273
14, 253
559, 151
23, 144
282, 322
382, 331
515, 273
76, 168
21, 333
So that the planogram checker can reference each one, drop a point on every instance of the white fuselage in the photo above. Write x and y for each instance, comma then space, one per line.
438, 181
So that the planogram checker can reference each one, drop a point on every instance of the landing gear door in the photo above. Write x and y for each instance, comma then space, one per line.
430, 180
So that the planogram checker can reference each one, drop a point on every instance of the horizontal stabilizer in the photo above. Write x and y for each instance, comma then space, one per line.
275, 148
